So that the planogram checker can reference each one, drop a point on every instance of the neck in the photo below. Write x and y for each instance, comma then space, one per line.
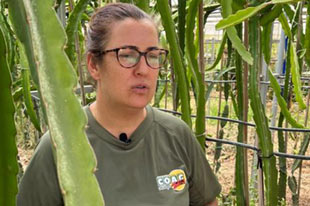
117, 120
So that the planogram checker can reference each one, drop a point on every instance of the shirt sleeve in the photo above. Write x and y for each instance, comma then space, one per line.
39, 185
203, 184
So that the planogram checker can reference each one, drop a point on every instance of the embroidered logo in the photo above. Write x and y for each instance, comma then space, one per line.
175, 180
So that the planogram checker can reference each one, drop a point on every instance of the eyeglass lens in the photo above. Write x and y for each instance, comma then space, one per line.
129, 57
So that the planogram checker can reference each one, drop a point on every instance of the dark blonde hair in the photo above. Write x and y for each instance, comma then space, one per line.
103, 19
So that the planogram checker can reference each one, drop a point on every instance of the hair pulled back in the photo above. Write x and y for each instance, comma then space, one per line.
103, 19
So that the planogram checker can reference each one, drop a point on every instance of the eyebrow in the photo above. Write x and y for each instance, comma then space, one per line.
129, 46
135, 47
151, 48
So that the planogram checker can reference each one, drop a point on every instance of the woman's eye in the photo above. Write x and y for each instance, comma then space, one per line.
124, 56
129, 58
153, 56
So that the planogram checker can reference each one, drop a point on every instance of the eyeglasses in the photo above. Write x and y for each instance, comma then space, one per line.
129, 56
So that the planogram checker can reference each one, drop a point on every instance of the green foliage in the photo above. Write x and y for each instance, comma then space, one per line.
190, 51
285, 26
160, 92
282, 103
181, 24
72, 28
219, 53
302, 151
144, 5
26, 87
281, 140
28, 99
289, 11
17, 11
233, 36
239, 16
8, 149
244, 14
262, 128
266, 46
218, 147
240, 170
229, 199
216, 77
271, 15
75, 160
292, 183
296, 76
168, 24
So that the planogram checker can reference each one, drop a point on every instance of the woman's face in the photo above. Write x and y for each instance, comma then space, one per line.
128, 87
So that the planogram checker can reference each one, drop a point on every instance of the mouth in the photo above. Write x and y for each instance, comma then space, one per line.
140, 88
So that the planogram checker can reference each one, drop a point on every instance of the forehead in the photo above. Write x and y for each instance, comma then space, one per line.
139, 33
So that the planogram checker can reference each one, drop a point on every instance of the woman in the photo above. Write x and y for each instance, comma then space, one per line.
145, 157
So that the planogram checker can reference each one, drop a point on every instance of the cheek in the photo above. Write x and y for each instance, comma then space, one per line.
109, 72
118, 80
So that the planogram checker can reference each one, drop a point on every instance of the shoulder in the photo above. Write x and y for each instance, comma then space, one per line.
170, 122
177, 128
166, 118
43, 155
39, 184
44, 148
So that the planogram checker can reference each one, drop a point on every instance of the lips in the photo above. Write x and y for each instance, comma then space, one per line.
140, 88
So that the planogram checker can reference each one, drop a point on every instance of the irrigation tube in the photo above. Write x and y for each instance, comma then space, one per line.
242, 122
234, 81
278, 154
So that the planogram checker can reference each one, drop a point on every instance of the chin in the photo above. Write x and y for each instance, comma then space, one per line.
138, 104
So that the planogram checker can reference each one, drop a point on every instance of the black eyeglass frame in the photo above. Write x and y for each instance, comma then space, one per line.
116, 50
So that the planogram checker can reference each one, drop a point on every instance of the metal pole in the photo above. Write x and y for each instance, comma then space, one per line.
212, 50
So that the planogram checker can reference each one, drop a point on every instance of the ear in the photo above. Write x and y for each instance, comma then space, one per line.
92, 67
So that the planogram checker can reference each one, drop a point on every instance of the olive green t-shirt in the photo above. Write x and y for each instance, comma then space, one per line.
163, 165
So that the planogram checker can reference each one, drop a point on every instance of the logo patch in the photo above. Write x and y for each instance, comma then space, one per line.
175, 180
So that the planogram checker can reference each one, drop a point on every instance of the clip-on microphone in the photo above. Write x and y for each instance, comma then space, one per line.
123, 137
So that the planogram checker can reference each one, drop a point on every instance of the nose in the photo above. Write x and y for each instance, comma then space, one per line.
141, 68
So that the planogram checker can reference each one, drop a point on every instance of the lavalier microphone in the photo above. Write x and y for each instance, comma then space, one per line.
123, 137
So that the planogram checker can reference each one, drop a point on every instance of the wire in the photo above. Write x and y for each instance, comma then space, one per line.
279, 154
242, 122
